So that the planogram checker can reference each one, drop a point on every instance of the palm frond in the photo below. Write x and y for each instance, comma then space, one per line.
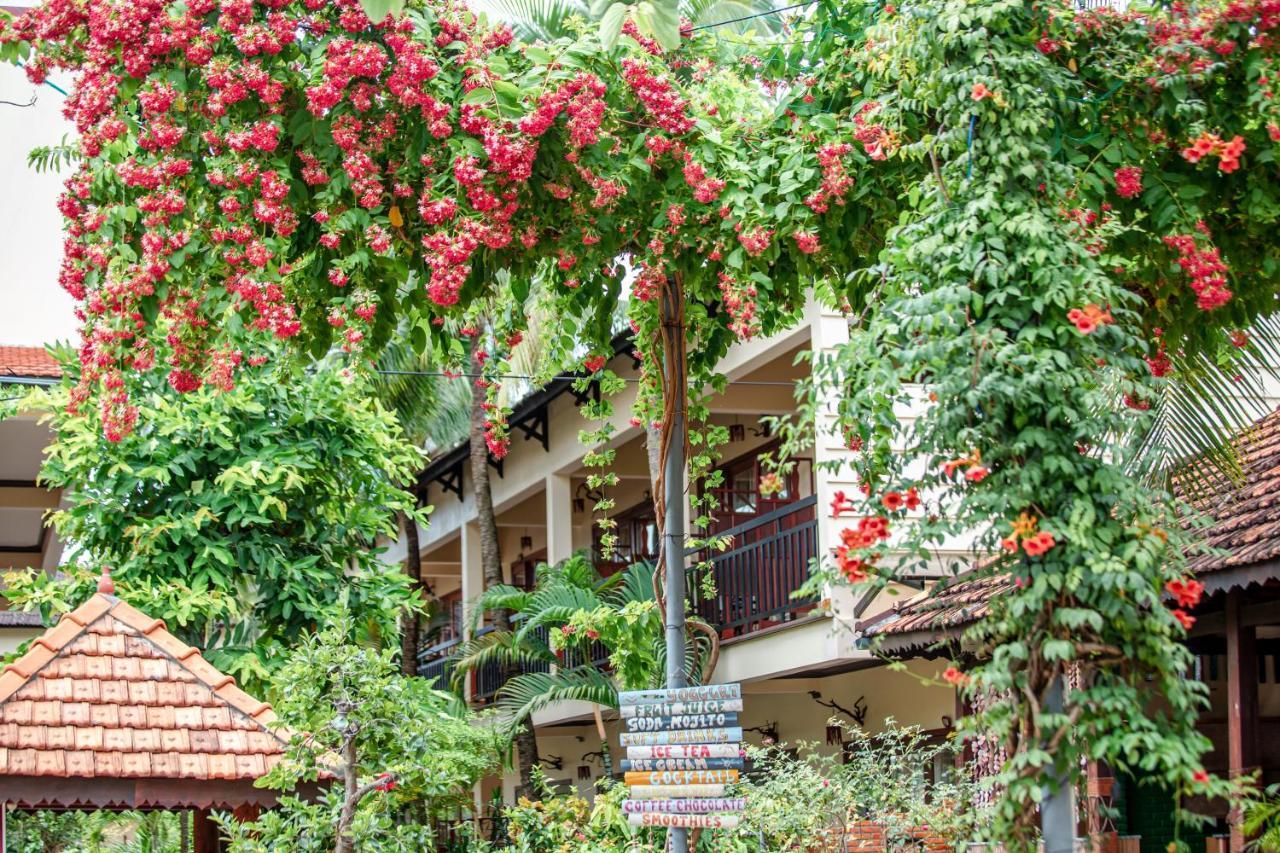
497, 647
556, 604
526, 694
711, 12
534, 20
1206, 404
634, 583
433, 410
500, 597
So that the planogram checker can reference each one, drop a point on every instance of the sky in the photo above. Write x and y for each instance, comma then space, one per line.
34, 310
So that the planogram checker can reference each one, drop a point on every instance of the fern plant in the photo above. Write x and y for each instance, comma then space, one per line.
1262, 822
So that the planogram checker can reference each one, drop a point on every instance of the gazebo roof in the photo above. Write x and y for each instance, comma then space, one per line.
110, 710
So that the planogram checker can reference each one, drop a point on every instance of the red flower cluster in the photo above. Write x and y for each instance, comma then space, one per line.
895, 501
836, 181
1128, 181
1228, 153
670, 112
740, 302
974, 470
1186, 593
806, 241
1160, 363
757, 240
873, 137
1204, 267
1034, 542
1089, 318
869, 533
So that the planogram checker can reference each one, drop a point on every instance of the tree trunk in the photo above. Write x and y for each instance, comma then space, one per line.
342, 841
490, 556
409, 622
490, 553
653, 448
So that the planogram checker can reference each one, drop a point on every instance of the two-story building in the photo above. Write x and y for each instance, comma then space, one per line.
797, 658
26, 539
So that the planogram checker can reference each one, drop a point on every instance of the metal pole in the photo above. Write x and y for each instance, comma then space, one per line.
673, 502
1057, 815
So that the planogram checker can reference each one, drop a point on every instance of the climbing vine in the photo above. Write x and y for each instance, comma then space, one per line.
1035, 219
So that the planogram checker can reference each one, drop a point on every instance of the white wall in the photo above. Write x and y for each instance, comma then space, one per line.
37, 311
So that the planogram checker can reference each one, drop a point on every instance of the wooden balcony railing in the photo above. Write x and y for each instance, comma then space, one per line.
437, 662
754, 579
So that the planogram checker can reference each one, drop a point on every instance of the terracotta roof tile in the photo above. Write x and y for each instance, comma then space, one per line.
110, 692
948, 604
28, 363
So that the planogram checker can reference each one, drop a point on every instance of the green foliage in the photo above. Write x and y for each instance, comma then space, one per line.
570, 823
239, 517
966, 326
1262, 822
795, 795
555, 624
397, 744
93, 832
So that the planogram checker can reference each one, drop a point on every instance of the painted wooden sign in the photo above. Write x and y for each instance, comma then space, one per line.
689, 821
681, 764
686, 750
681, 777
684, 746
691, 736
681, 723
673, 709
666, 792
701, 693
704, 806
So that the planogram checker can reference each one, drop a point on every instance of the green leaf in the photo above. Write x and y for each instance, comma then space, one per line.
377, 10
611, 24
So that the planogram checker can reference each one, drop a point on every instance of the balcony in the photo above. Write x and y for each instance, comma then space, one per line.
437, 662
753, 580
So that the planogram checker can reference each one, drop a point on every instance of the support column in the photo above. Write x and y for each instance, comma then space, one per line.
559, 497
205, 832
1242, 704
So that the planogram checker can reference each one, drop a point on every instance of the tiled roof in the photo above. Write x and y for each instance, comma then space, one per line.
948, 604
1246, 514
1245, 528
28, 363
109, 693
19, 619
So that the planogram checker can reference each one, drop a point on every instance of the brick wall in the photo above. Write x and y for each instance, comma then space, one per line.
869, 837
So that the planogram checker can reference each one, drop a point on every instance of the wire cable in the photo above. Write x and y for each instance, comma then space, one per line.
756, 15
775, 383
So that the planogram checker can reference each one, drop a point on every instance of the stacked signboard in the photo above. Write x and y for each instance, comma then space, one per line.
684, 746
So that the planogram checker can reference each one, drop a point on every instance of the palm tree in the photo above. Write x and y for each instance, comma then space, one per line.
548, 20
433, 411
571, 588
